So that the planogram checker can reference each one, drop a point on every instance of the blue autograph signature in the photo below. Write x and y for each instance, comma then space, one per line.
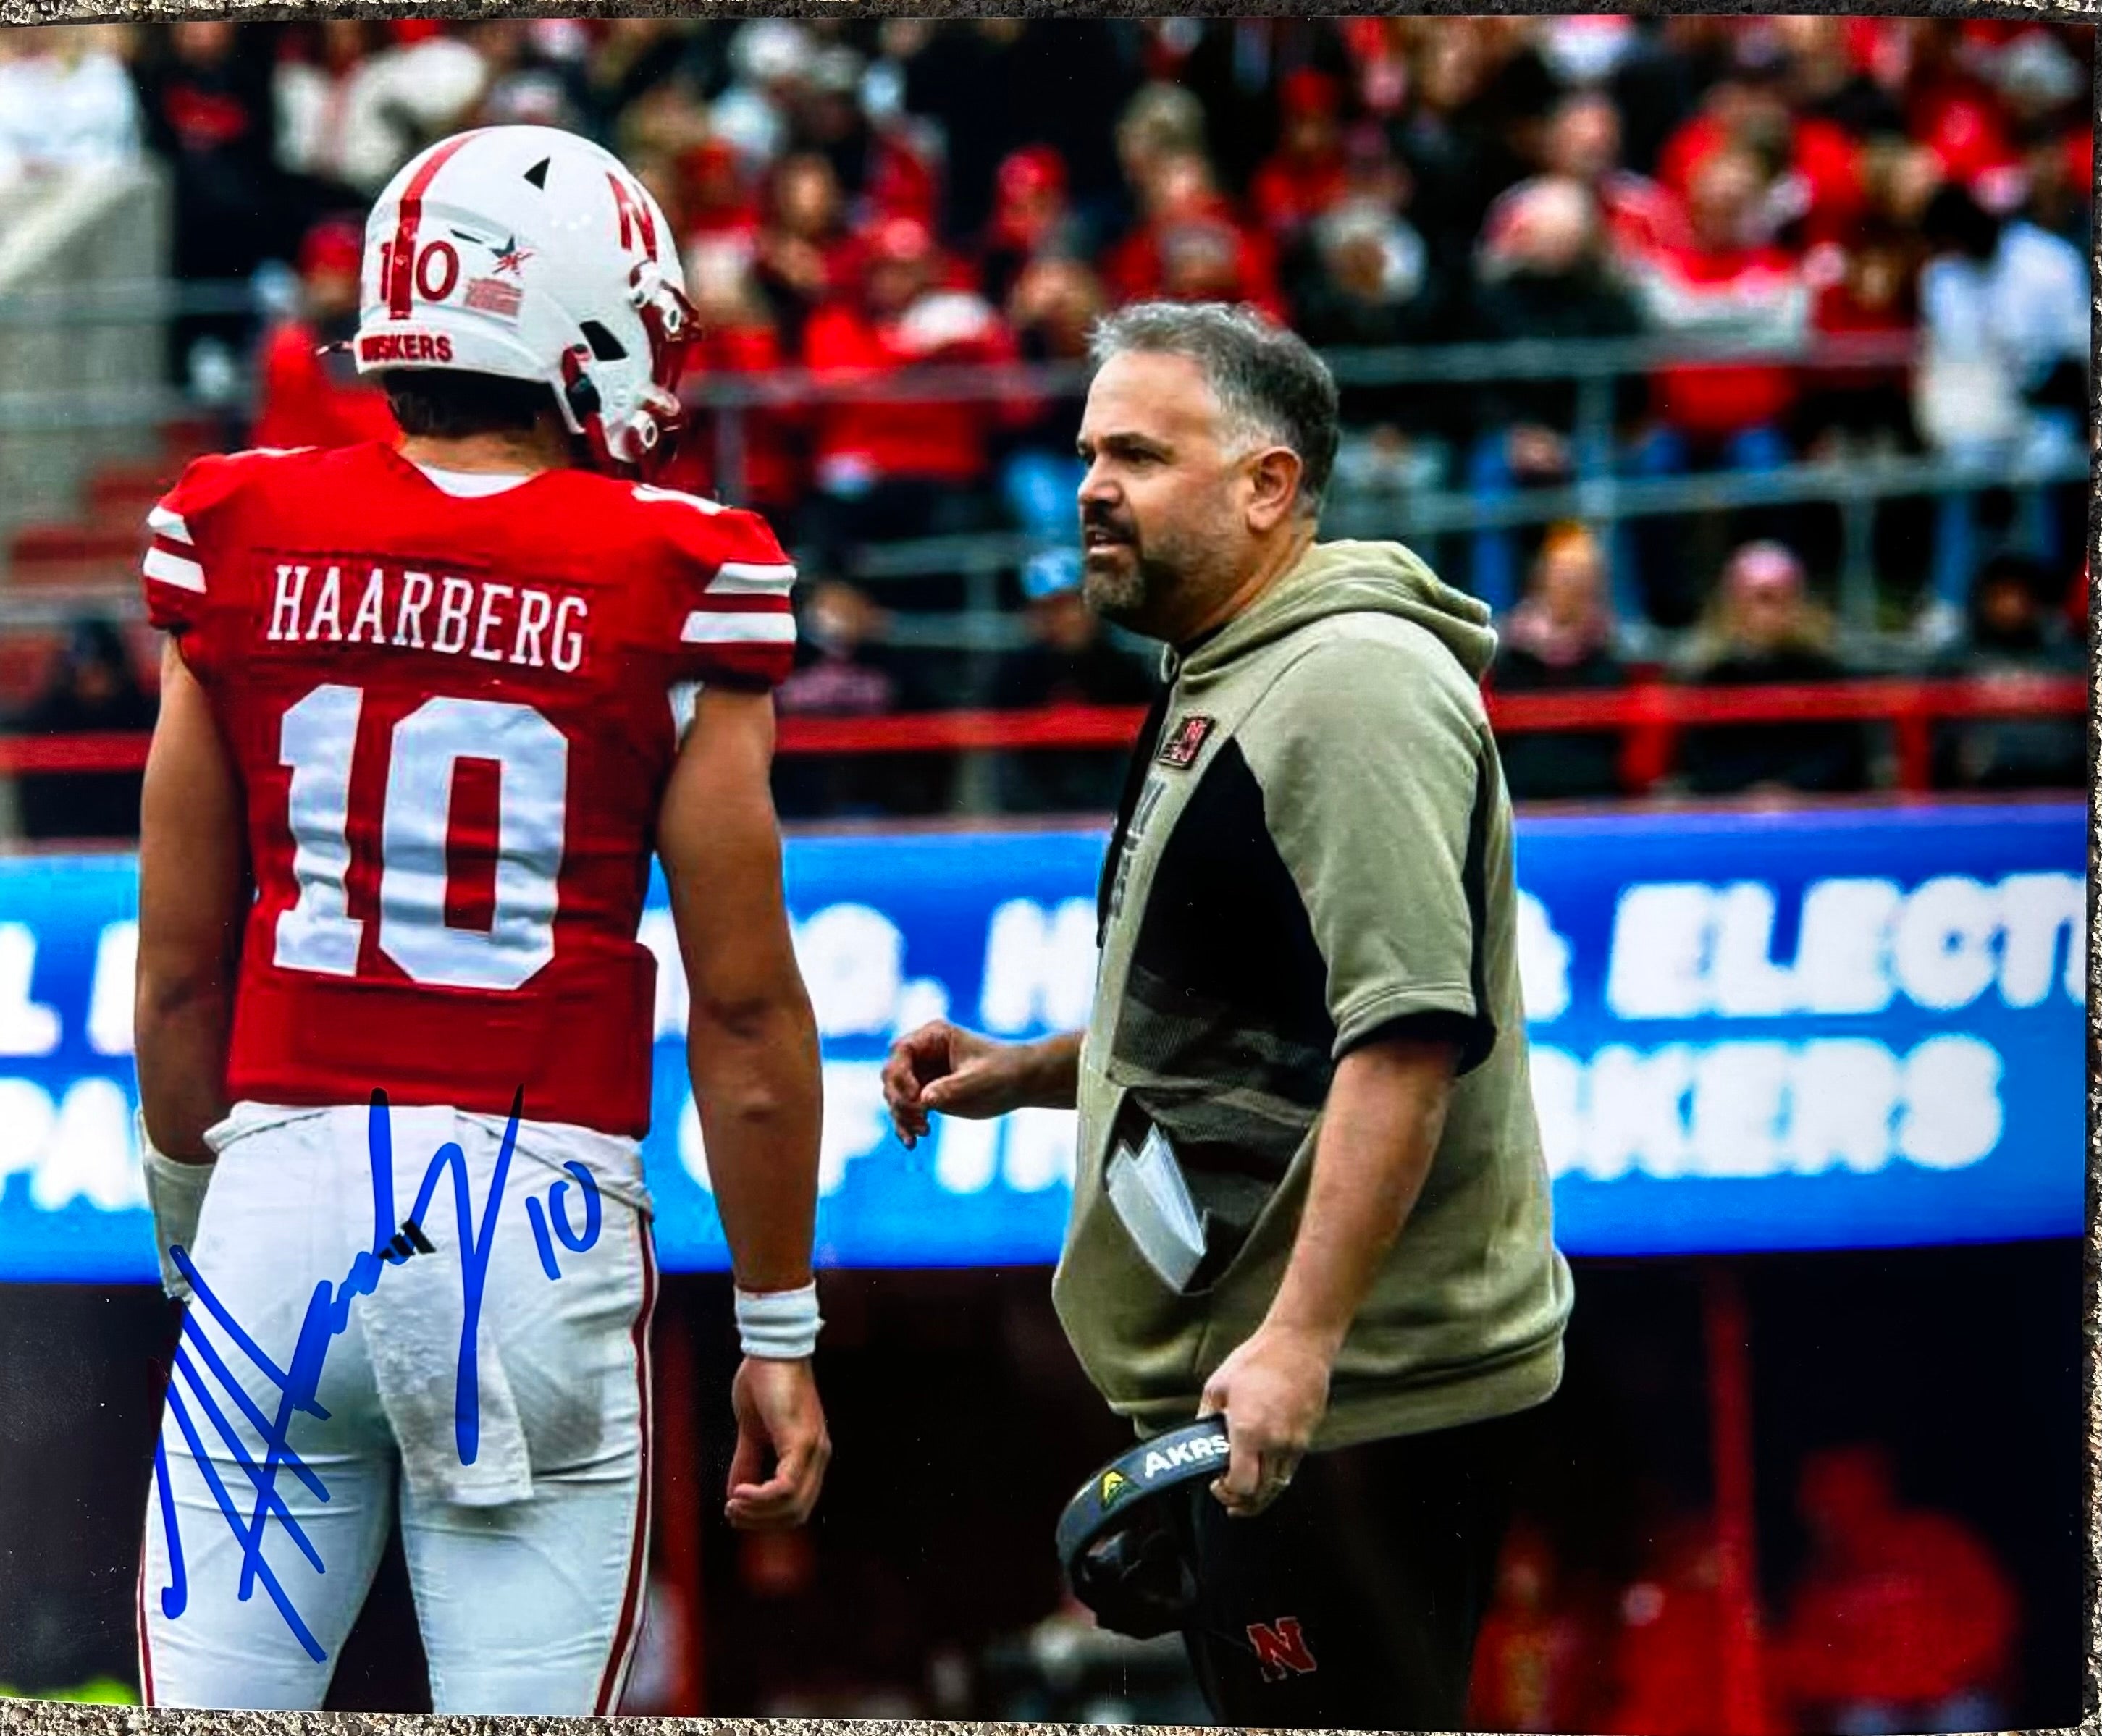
328, 1313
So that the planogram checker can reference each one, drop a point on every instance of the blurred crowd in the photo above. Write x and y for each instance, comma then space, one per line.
868, 198
1901, 1618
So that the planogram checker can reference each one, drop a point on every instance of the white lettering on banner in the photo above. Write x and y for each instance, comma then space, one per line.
855, 1120
1941, 945
1658, 969
1749, 1110
966, 1155
1839, 946
1681, 950
692, 1150
81, 1149
1038, 1149
850, 956
2038, 909
1040, 969
1739, 1090
852, 959
1748, 983
855, 1123
110, 1002
658, 933
1637, 1110
922, 1000
1952, 1103
26, 1115
27, 1026
1543, 963
1029, 1151
1846, 1090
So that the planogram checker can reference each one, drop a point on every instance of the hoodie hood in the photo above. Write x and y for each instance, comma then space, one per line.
1339, 579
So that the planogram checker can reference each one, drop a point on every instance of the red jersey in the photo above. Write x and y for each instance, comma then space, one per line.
302, 404
453, 703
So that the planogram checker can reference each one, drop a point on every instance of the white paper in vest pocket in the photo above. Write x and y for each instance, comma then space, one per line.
1149, 1194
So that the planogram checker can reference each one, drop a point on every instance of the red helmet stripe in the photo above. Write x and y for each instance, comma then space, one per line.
402, 265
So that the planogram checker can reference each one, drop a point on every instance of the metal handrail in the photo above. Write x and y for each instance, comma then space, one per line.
1579, 360
1648, 714
1402, 514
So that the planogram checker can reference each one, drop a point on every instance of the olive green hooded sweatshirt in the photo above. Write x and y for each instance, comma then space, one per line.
1319, 853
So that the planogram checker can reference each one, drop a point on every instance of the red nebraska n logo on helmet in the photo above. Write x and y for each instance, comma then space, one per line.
1280, 1648
634, 215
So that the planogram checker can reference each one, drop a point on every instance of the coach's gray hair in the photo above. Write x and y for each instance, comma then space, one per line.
1267, 380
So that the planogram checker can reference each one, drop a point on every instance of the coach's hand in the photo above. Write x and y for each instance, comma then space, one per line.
777, 1412
942, 1066
1272, 1391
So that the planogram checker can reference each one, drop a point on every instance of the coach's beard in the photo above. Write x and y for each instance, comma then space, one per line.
1117, 580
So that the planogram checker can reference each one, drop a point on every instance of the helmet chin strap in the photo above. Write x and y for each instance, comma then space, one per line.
580, 397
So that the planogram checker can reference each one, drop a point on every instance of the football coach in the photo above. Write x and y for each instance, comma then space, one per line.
1310, 1192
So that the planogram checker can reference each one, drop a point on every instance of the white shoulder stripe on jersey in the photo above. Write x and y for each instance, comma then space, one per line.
172, 569
700, 502
169, 524
750, 578
710, 627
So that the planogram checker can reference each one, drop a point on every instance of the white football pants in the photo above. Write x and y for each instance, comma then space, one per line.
318, 1391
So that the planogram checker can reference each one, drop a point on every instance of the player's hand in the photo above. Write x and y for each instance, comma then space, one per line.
778, 1414
1272, 1391
942, 1066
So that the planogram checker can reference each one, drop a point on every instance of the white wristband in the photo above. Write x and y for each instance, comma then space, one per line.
175, 1194
778, 1325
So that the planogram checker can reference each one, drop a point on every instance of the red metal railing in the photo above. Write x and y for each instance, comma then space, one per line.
1648, 716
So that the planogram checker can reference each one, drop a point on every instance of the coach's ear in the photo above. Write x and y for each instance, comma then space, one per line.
1273, 487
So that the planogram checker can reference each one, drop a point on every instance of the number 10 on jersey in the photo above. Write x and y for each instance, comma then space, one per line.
532, 757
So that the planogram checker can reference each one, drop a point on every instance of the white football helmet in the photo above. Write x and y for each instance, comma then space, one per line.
530, 252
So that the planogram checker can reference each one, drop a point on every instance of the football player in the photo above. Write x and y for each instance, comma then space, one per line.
428, 708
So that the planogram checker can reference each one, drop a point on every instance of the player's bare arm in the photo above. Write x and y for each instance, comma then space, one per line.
193, 885
942, 1066
1385, 1112
752, 1051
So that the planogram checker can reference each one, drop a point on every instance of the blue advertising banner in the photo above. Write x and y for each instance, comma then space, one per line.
1797, 1030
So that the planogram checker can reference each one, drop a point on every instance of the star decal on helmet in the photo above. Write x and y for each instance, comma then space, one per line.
511, 256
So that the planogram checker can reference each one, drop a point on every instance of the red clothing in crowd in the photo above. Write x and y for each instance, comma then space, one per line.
1530, 1666
1641, 218
1919, 1613
1306, 174
1961, 123
300, 402
2078, 150
1862, 294
1744, 288
1202, 254
901, 181
773, 474
1828, 160
716, 199
933, 441
1824, 155
1668, 1661
1287, 193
